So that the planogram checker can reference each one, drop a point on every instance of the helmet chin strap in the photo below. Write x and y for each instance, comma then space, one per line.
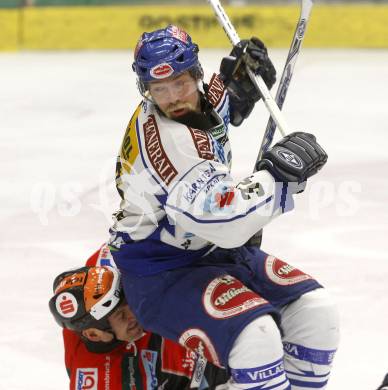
202, 87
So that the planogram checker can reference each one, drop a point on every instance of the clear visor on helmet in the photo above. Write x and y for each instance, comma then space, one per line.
175, 88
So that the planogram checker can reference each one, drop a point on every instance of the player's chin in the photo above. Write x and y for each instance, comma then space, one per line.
178, 113
134, 333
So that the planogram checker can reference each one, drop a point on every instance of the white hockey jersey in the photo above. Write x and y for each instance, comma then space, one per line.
178, 198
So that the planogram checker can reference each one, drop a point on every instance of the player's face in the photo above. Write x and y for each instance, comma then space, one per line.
176, 96
124, 324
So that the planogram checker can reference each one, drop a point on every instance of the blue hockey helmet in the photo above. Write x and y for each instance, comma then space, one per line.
164, 53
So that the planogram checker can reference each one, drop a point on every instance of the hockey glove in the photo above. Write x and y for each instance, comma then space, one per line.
295, 158
242, 92
251, 53
384, 385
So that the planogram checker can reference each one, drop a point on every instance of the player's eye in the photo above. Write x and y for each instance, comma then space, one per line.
179, 84
159, 90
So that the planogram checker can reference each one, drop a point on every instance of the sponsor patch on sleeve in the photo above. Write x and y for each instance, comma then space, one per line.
205, 181
87, 379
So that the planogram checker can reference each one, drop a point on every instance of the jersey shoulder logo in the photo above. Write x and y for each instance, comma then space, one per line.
130, 146
202, 143
216, 90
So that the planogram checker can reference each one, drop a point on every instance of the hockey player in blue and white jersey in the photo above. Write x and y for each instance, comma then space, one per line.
179, 238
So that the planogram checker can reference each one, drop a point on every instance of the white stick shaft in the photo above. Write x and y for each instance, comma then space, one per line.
268, 100
225, 21
270, 103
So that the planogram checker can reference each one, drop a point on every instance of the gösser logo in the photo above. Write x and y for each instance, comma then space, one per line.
282, 273
162, 71
66, 305
226, 297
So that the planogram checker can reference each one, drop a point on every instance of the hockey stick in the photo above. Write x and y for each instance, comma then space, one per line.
288, 70
270, 103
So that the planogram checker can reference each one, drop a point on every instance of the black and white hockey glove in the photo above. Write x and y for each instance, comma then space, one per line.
294, 158
384, 385
251, 53
243, 93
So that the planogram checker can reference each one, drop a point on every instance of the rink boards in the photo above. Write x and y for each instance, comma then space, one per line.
118, 27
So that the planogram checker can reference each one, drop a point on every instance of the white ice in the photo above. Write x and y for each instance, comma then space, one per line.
62, 118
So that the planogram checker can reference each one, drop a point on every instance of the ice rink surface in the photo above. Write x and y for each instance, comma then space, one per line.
62, 118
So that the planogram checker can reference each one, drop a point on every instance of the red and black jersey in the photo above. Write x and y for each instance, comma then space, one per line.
150, 363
